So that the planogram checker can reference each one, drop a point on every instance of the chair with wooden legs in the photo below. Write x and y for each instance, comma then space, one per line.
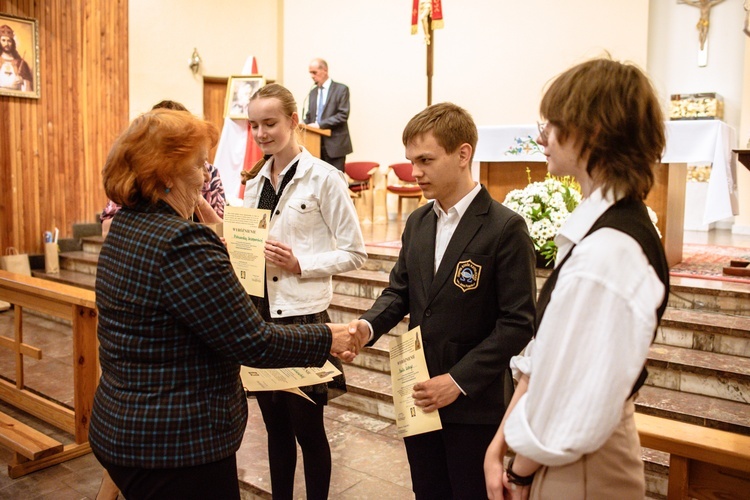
360, 182
407, 186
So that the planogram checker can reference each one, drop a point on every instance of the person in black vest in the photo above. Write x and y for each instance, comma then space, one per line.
570, 421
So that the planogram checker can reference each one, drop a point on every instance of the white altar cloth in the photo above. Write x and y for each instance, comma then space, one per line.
689, 141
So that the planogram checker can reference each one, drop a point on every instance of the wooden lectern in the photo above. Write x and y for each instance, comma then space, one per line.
311, 138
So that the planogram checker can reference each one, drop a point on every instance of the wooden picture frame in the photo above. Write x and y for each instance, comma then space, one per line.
19, 57
239, 91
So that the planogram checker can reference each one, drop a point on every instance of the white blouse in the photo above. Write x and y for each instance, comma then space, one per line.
591, 345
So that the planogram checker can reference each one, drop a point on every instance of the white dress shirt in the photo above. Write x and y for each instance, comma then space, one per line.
448, 221
591, 345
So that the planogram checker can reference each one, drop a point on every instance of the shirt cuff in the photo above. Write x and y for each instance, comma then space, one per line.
521, 439
459, 387
369, 325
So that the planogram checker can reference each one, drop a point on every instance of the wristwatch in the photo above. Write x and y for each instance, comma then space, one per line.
514, 478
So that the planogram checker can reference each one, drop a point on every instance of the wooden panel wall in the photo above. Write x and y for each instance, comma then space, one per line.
52, 149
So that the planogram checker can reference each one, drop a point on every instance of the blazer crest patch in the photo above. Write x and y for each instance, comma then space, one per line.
467, 275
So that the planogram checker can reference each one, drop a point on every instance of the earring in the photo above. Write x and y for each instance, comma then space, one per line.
167, 190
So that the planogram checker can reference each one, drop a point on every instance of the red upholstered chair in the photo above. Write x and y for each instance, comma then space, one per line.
407, 186
360, 181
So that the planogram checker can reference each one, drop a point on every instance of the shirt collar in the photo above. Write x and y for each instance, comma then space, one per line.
461, 206
326, 85
266, 170
583, 217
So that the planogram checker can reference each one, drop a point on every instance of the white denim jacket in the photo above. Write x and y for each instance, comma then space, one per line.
316, 218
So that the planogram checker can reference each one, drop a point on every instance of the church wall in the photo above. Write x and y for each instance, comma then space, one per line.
164, 33
493, 58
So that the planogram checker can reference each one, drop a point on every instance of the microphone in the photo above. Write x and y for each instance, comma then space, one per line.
305, 102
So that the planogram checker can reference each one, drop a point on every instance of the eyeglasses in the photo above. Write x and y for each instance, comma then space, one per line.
541, 126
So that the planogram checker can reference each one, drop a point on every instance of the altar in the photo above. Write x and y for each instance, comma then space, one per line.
695, 141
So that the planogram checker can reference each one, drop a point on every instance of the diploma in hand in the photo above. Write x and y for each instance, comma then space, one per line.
408, 367
246, 232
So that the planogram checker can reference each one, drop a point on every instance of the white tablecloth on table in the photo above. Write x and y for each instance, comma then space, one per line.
689, 141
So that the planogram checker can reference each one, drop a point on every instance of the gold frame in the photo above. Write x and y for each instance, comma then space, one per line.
26, 36
233, 108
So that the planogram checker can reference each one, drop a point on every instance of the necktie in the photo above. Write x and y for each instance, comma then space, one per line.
319, 113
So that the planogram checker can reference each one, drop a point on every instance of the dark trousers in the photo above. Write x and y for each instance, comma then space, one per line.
449, 463
290, 419
336, 162
214, 480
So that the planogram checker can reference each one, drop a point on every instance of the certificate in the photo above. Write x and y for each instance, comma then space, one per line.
282, 379
408, 367
246, 232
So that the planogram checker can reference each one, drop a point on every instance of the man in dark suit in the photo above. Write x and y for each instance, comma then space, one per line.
329, 109
465, 275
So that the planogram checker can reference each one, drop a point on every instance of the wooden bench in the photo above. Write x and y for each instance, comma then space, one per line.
703, 462
26, 441
33, 450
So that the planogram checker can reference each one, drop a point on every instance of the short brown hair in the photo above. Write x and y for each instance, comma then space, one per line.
611, 110
157, 147
451, 126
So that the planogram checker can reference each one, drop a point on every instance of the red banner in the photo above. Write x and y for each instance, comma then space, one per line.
436, 13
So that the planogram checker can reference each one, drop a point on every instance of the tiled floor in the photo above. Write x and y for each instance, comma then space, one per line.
368, 460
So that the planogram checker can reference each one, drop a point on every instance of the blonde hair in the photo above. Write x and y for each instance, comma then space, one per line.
288, 107
451, 126
157, 147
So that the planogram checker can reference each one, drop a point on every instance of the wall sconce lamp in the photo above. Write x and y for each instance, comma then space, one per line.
195, 61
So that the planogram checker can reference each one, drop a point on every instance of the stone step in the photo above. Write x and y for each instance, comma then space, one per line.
73, 278
705, 331
720, 376
380, 259
696, 409
92, 244
79, 261
709, 295
370, 392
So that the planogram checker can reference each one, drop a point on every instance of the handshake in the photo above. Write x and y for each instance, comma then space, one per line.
348, 339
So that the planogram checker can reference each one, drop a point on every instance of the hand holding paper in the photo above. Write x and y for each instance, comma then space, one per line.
281, 255
435, 393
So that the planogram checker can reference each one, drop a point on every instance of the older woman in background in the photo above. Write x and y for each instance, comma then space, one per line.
175, 324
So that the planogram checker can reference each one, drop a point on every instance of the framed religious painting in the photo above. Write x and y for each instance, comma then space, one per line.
239, 91
19, 56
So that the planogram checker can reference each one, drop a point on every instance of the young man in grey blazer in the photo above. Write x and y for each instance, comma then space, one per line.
329, 109
465, 275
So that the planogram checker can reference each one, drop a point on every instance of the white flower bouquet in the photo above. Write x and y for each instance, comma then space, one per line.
545, 206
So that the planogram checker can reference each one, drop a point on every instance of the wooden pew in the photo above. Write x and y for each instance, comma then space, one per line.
703, 463
69, 303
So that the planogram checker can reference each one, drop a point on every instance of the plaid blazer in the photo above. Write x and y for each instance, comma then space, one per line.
174, 326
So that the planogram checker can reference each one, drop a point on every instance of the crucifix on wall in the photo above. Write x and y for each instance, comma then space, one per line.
705, 8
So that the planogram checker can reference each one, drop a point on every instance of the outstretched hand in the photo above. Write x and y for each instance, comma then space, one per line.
346, 344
